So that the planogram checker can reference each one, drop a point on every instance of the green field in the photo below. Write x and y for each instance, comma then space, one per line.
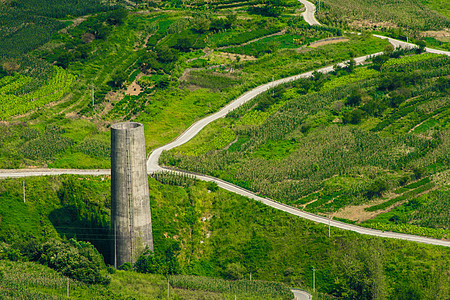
372, 138
354, 137
406, 14
222, 235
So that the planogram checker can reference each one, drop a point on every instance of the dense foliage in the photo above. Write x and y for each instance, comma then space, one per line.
77, 260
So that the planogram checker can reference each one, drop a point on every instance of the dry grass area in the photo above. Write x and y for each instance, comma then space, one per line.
231, 56
322, 43
440, 35
367, 24
357, 212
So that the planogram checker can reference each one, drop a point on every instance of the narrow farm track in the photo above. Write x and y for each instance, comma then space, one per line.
153, 164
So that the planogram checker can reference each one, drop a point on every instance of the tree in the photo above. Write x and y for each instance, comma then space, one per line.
235, 271
184, 44
118, 79
350, 65
64, 59
360, 270
166, 54
354, 99
376, 188
149, 61
116, 17
421, 46
353, 117
200, 24
379, 60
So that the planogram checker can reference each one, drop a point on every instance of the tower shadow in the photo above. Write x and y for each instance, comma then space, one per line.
92, 227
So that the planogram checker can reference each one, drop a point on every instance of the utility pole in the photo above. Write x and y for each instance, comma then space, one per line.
24, 191
92, 99
329, 227
68, 288
250, 276
273, 85
314, 279
168, 287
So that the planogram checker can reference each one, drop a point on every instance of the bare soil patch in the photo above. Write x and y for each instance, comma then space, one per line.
322, 43
367, 24
234, 56
134, 88
440, 35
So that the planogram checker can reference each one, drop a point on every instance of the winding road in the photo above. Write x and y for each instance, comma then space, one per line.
194, 129
153, 165
310, 10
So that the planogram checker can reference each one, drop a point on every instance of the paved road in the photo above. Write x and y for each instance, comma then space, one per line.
153, 166
308, 15
309, 18
6, 173
152, 163
406, 45
301, 295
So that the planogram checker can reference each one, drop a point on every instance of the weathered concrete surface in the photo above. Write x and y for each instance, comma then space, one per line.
130, 205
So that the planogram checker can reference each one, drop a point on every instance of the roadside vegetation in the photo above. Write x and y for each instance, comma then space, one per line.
420, 21
372, 137
366, 145
203, 231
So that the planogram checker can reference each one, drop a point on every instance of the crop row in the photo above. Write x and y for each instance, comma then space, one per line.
275, 289
54, 90
406, 196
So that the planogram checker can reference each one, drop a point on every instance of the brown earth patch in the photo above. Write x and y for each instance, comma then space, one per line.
133, 89
322, 43
234, 56
441, 35
367, 24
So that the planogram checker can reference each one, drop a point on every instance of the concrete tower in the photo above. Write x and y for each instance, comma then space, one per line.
131, 221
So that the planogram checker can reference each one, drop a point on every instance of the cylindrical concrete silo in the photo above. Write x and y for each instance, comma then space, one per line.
131, 222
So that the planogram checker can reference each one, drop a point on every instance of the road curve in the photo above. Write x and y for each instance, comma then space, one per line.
406, 45
153, 165
301, 295
194, 129
310, 10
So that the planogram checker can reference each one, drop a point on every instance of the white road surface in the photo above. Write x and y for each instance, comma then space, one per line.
301, 295
310, 10
194, 129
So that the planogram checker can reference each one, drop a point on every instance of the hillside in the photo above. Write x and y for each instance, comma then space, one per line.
202, 230
363, 144
358, 143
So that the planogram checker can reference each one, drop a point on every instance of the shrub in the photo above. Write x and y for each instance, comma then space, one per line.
353, 117
376, 188
235, 271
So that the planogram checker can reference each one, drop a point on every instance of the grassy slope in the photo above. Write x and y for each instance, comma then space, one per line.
118, 53
270, 244
314, 162
411, 14
27, 280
